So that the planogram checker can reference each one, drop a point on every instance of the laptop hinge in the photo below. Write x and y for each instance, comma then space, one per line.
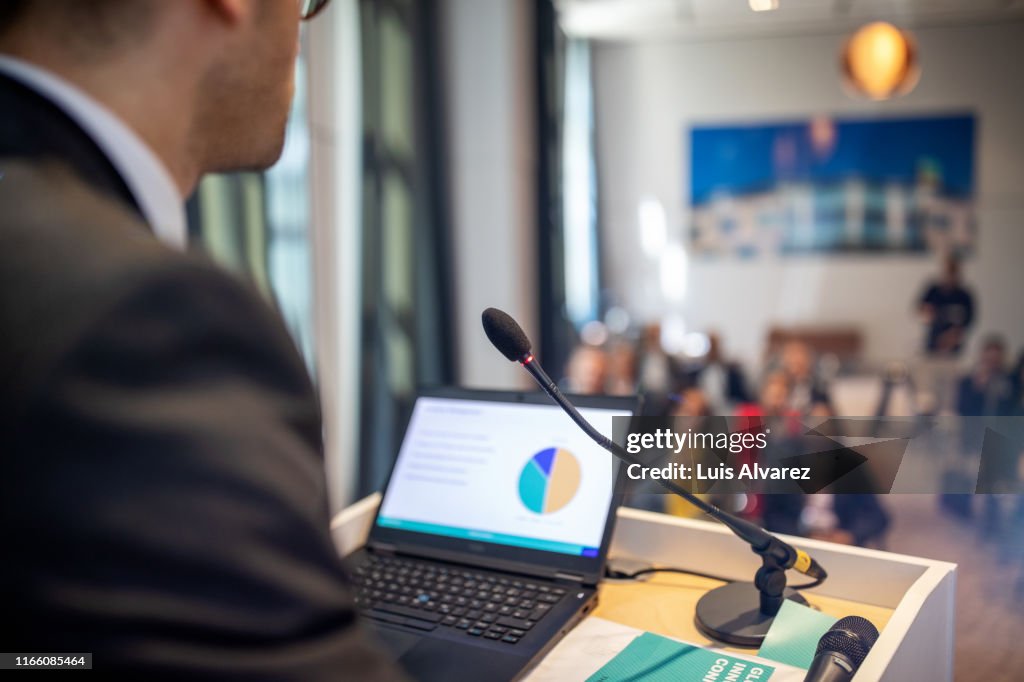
383, 547
569, 577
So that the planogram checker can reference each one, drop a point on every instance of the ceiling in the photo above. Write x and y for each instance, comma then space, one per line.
709, 19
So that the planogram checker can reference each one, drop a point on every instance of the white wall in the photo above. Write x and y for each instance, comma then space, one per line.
648, 94
492, 168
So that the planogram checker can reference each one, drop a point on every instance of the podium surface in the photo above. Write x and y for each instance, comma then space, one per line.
909, 599
665, 604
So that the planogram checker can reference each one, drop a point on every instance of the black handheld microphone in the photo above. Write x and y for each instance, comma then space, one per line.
509, 338
842, 649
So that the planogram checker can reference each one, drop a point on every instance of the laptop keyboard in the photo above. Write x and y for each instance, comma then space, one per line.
427, 596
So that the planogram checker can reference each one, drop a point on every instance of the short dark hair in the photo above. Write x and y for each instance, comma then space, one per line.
993, 341
10, 13
92, 23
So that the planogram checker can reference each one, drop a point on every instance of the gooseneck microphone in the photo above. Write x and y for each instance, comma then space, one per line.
722, 613
842, 649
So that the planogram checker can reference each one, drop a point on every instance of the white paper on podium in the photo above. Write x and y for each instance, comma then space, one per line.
596, 641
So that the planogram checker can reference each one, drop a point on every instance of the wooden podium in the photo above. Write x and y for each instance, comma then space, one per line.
910, 600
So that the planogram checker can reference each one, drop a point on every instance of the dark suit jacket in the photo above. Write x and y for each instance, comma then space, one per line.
163, 497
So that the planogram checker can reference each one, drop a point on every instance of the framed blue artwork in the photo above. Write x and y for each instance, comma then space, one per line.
833, 185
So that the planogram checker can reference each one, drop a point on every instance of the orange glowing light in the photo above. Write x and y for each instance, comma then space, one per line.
879, 60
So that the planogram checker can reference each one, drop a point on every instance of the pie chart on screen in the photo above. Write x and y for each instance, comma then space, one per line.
549, 480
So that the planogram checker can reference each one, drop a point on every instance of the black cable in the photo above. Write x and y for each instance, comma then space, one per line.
625, 575
807, 586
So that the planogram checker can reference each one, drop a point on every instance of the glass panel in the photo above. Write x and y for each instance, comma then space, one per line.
404, 281
397, 242
289, 260
396, 87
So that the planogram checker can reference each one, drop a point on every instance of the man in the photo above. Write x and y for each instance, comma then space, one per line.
947, 308
721, 381
987, 391
587, 370
163, 497
807, 386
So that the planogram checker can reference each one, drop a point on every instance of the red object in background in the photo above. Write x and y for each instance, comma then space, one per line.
751, 417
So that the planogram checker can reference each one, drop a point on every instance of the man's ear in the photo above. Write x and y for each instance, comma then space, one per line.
232, 11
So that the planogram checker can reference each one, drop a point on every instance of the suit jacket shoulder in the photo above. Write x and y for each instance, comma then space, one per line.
69, 255
163, 503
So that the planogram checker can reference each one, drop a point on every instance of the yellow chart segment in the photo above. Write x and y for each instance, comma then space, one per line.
563, 482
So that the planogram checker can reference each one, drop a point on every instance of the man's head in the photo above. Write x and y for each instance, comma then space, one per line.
992, 357
797, 360
587, 370
693, 402
950, 270
207, 83
714, 353
774, 396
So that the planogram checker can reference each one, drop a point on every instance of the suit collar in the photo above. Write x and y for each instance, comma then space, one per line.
132, 173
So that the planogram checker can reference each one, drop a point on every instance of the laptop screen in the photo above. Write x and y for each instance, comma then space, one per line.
508, 473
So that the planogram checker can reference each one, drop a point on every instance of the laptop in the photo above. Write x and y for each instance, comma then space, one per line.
492, 533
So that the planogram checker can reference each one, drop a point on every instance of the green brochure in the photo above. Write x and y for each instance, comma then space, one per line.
652, 658
794, 635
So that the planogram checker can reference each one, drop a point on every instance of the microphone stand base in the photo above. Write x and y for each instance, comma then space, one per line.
731, 614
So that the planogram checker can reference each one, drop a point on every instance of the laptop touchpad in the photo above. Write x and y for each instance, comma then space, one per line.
396, 643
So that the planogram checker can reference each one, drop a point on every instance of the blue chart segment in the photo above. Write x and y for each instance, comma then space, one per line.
549, 480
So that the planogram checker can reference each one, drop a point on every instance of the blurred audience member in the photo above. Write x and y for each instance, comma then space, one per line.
656, 372
621, 369
773, 400
988, 389
947, 310
849, 519
1013, 545
807, 386
1017, 383
587, 370
654, 366
771, 411
860, 518
694, 411
693, 402
722, 381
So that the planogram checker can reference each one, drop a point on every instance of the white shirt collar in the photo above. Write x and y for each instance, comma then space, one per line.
146, 176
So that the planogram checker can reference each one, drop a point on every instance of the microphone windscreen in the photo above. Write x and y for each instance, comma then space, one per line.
852, 636
506, 334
